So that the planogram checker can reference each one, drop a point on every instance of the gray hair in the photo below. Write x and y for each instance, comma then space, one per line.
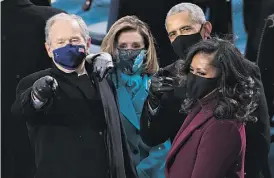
64, 16
196, 13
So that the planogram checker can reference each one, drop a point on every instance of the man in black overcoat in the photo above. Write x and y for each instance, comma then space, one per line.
71, 111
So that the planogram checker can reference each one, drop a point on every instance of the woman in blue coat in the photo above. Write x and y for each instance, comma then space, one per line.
131, 44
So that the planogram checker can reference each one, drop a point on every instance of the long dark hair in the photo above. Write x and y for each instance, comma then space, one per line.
239, 93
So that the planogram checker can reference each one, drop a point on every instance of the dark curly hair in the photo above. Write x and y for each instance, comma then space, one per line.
239, 93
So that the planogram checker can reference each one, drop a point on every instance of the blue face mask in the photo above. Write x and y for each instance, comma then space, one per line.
70, 56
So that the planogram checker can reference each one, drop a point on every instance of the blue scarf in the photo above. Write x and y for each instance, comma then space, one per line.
131, 82
132, 91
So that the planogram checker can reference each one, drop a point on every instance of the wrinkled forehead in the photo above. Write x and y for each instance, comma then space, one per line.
179, 20
65, 29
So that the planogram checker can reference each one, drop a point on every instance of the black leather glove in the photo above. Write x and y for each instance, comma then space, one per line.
44, 88
159, 85
102, 64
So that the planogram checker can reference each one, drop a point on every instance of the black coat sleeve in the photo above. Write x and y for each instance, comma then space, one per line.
153, 127
164, 125
22, 105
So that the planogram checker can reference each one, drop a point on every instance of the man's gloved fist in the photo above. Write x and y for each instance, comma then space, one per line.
44, 88
159, 86
161, 83
102, 63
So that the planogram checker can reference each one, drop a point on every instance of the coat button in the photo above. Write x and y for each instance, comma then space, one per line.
80, 136
17, 76
100, 133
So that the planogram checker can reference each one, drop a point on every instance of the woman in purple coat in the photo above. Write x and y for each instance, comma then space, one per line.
221, 95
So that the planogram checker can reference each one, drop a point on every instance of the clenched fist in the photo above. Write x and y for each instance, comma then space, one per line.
44, 88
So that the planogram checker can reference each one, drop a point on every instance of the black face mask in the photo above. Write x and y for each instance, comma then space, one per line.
198, 87
182, 43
